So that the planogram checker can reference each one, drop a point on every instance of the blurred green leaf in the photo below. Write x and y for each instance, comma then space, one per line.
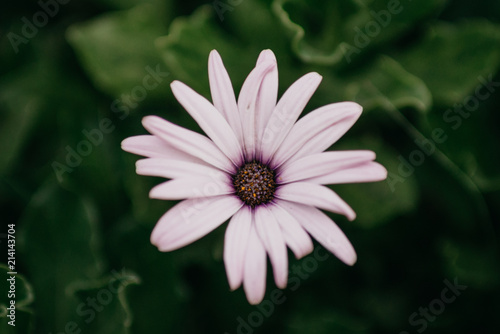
452, 59
118, 52
331, 32
387, 81
378, 202
186, 48
23, 316
104, 306
59, 243
476, 265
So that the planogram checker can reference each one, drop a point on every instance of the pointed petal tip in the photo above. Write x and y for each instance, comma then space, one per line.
255, 300
351, 215
266, 55
351, 260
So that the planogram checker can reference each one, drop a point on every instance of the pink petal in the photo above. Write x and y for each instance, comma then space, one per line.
235, 245
315, 195
254, 272
270, 234
320, 164
189, 142
317, 131
191, 219
267, 98
223, 94
295, 237
323, 229
287, 111
367, 172
153, 147
191, 187
248, 103
210, 120
172, 169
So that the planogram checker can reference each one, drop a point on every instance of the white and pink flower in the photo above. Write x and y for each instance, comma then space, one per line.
259, 166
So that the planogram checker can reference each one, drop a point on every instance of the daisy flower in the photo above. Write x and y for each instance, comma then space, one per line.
259, 166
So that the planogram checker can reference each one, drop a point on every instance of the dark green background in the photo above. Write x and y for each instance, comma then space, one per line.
86, 234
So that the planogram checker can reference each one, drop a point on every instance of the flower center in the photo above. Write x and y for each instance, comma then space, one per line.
254, 183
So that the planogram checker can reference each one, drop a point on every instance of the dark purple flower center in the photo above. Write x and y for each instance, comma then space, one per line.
255, 184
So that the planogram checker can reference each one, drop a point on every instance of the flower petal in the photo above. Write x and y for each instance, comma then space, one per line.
223, 94
153, 147
323, 229
270, 234
235, 245
189, 142
315, 195
248, 104
317, 131
191, 187
254, 272
320, 164
210, 120
286, 112
191, 219
367, 172
172, 169
295, 237
267, 98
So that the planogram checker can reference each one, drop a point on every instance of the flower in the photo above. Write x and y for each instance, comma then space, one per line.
260, 167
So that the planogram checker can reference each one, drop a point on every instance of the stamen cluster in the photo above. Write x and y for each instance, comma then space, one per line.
255, 184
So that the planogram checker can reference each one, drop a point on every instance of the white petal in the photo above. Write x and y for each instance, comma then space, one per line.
223, 94
191, 187
153, 147
270, 234
367, 172
317, 131
172, 169
323, 229
210, 120
320, 164
268, 96
254, 272
287, 111
295, 237
315, 195
189, 142
235, 245
191, 219
248, 103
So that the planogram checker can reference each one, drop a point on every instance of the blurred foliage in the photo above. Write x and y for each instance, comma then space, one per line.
76, 84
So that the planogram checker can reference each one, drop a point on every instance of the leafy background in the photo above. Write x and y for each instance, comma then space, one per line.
84, 236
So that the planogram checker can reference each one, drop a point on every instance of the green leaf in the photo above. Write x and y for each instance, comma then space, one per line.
117, 50
333, 32
387, 81
477, 265
378, 202
23, 297
186, 48
59, 228
452, 59
104, 307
